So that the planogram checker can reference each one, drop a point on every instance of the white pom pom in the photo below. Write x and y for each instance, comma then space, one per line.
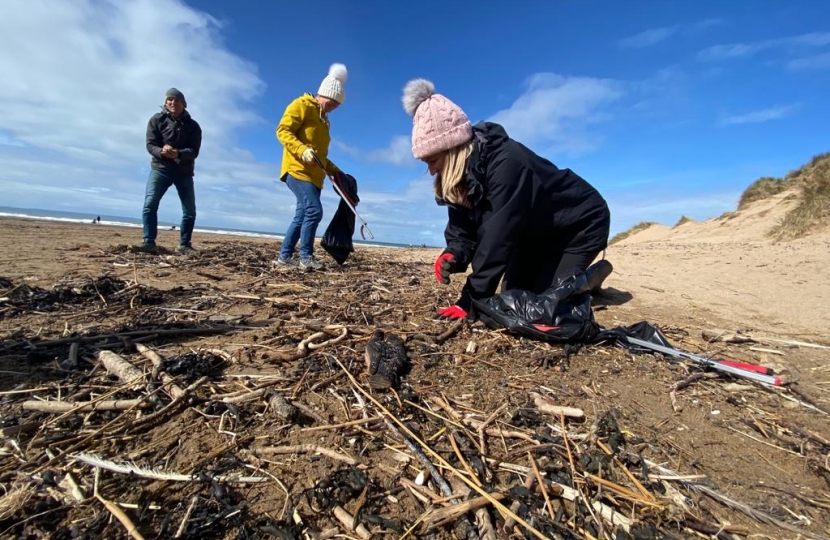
339, 72
416, 92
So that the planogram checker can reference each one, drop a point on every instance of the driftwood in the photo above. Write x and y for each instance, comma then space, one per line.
305, 449
282, 409
546, 407
122, 369
174, 389
79, 407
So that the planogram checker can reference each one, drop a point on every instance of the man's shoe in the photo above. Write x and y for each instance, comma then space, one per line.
146, 247
186, 250
287, 262
311, 264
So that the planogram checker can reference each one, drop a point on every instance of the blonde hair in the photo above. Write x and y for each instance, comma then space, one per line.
449, 185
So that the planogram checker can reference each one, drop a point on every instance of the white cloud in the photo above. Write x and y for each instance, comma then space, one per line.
818, 61
790, 44
399, 151
75, 104
555, 110
653, 36
649, 37
763, 115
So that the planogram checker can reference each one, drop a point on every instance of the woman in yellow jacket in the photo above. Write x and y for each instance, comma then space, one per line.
304, 132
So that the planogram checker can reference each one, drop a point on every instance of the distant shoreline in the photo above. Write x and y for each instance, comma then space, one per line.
115, 221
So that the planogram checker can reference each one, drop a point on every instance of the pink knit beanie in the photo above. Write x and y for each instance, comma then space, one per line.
438, 123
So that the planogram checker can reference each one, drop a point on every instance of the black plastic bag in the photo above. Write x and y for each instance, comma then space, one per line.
337, 240
560, 314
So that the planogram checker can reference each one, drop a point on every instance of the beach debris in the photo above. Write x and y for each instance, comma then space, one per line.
239, 402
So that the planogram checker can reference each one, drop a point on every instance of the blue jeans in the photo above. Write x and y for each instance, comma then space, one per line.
157, 185
307, 217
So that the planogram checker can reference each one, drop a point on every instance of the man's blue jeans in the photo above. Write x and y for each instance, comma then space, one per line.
157, 185
307, 217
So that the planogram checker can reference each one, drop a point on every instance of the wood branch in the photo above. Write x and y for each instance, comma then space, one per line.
451, 331
172, 388
305, 449
724, 336
445, 515
391, 417
82, 407
122, 517
282, 409
122, 369
131, 334
348, 521
546, 406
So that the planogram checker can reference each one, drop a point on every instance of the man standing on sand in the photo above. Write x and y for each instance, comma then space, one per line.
173, 139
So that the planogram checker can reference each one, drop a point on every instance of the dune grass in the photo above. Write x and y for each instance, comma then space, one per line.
813, 209
682, 220
643, 225
761, 189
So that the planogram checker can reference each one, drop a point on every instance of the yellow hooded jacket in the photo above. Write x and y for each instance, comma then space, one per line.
304, 125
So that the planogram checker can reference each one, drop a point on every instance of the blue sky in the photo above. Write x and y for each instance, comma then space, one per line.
669, 108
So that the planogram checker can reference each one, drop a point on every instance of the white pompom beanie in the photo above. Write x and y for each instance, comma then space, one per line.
438, 124
332, 85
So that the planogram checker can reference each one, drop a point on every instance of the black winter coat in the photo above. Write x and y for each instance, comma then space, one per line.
183, 134
519, 201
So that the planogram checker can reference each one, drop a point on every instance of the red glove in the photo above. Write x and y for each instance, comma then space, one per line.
444, 265
451, 313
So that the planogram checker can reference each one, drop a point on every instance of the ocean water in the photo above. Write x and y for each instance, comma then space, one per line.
74, 217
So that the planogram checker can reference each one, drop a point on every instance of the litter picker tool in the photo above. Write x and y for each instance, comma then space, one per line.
364, 225
739, 369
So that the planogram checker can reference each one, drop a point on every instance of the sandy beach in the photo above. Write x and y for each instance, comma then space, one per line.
765, 448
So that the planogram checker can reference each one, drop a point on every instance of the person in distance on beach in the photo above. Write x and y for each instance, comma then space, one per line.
513, 215
173, 140
303, 132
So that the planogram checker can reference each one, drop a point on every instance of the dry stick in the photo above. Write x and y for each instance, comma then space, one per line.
119, 367
509, 523
482, 428
344, 424
150, 418
186, 517
442, 484
389, 417
308, 449
218, 452
541, 483
556, 410
741, 507
85, 406
631, 477
132, 333
460, 456
445, 515
80, 444
451, 331
348, 521
621, 490
157, 360
310, 412
680, 385
122, 517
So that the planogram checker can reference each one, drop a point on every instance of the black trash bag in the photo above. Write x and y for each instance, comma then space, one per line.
643, 330
337, 241
561, 314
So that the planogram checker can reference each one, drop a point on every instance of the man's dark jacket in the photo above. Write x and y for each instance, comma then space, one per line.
183, 134
519, 201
